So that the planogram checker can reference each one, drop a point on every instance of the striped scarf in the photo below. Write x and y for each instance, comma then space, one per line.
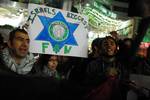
23, 68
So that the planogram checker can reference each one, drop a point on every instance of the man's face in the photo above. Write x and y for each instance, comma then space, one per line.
20, 44
109, 47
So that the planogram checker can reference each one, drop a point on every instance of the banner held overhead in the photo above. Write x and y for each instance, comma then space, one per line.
55, 31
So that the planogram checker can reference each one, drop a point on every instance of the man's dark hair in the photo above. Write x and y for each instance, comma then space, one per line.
13, 32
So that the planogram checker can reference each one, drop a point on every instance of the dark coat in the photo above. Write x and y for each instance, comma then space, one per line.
97, 75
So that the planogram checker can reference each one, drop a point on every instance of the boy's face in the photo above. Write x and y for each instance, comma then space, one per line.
20, 44
53, 62
109, 47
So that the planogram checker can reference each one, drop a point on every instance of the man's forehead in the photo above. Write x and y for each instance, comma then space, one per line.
22, 34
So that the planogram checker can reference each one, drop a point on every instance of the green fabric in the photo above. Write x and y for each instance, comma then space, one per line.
147, 36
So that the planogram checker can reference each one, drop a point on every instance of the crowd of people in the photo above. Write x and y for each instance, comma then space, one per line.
104, 75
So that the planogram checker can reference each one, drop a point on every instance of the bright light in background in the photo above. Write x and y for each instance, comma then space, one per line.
14, 4
91, 34
103, 20
87, 4
13, 20
104, 23
12, 13
101, 35
124, 24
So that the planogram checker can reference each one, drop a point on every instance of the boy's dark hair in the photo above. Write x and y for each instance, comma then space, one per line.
13, 32
109, 37
43, 59
96, 42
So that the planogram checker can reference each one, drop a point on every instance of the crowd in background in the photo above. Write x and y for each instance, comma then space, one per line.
104, 75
